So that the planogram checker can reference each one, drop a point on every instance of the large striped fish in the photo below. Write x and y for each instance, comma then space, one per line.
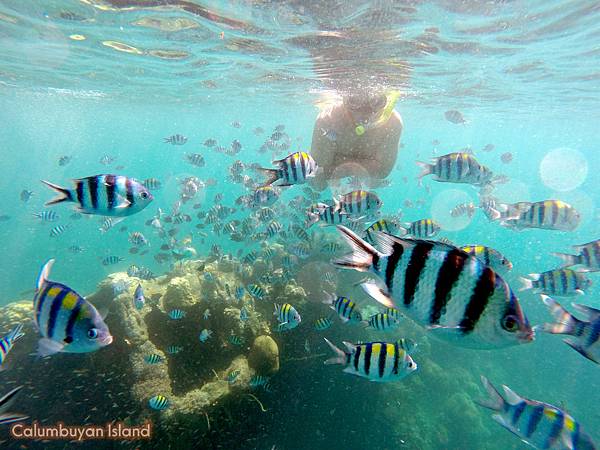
457, 168
66, 321
441, 287
358, 203
376, 361
106, 195
293, 169
588, 258
538, 424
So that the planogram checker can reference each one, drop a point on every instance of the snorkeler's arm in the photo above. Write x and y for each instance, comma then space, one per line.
323, 151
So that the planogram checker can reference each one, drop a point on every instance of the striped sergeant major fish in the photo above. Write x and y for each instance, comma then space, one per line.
441, 287
6, 402
106, 195
489, 256
323, 323
295, 168
421, 229
7, 342
328, 216
559, 282
265, 196
159, 402
546, 215
287, 316
588, 257
59, 229
538, 424
138, 297
47, 216
175, 139
376, 361
381, 225
382, 322
66, 321
346, 308
456, 168
358, 203
586, 333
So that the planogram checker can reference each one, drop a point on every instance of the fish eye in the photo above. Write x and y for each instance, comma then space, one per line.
144, 194
92, 333
509, 323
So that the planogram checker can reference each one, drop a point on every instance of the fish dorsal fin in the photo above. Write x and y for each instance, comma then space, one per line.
511, 396
350, 347
44, 273
591, 313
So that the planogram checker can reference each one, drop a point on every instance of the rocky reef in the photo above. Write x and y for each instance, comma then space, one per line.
206, 409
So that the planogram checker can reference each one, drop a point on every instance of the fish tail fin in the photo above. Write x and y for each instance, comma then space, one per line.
277, 308
495, 401
362, 255
526, 284
328, 298
16, 333
64, 194
426, 169
339, 355
568, 260
272, 175
565, 322
44, 273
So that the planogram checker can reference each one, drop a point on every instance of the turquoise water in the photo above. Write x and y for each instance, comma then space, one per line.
523, 74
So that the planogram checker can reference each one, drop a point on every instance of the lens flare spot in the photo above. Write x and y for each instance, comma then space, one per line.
564, 169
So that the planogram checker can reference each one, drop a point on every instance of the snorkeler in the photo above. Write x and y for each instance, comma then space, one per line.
358, 136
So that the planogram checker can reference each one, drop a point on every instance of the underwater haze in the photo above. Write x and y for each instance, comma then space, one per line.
201, 242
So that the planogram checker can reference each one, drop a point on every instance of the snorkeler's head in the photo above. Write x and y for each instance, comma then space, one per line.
365, 106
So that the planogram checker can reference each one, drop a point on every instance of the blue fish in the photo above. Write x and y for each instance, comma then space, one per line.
232, 376
239, 292
106, 195
153, 358
66, 321
243, 314
7, 342
138, 298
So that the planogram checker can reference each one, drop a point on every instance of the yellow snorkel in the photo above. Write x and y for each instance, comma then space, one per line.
386, 113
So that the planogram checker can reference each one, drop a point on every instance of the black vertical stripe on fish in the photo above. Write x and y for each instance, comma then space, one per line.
80, 193
129, 192
480, 297
303, 167
541, 213
392, 262
72, 320
459, 165
448, 275
517, 412
382, 357
534, 419
368, 352
54, 310
357, 357
418, 259
448, 162
93, 188
293, 164
564, 281
285, 170
396, 358
109, 182
40, 303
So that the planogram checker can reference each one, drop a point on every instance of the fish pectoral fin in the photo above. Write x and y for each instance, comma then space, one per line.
122, 202
378, 294
47, 347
